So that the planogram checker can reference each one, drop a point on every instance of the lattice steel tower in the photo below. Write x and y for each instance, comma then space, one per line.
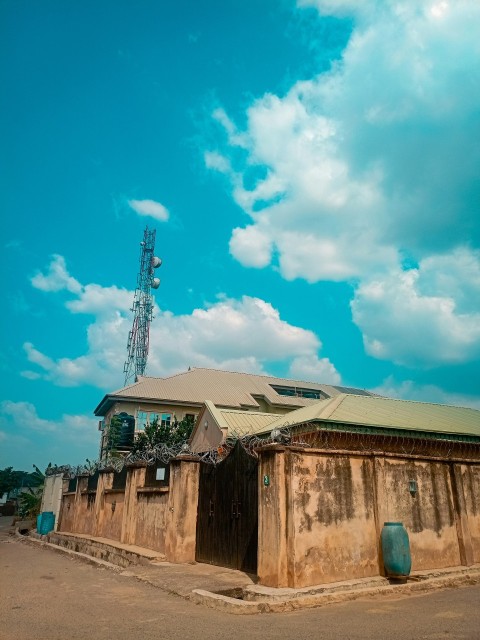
138, 337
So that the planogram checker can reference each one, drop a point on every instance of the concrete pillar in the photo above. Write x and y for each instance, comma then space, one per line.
105, 481
82, 482
461, 518
275, 540
180, 538
62, 516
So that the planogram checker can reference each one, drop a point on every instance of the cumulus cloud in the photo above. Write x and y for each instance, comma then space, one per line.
369, 162
424, 316
312, 368
56, 278
150, 208
251, 246
245, 334
376, 155
22, 418
99, 300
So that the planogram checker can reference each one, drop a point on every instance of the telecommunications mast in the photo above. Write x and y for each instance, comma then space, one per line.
138, 337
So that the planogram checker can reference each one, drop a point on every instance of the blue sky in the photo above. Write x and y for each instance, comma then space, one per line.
311, 169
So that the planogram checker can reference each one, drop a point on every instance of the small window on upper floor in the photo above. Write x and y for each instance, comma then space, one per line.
142, 420
299, 392
166, 419
146, 418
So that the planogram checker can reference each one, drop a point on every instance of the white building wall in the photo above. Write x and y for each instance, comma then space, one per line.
52, 495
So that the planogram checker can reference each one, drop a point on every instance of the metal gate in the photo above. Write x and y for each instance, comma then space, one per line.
227, 518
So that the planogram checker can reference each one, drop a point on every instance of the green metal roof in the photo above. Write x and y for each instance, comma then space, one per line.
375, 411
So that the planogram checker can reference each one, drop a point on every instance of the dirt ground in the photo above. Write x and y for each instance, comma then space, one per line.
47, 596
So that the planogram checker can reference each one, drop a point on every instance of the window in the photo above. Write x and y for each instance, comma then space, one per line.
190, 416
142, 420
145, 418
299, 392
166, 419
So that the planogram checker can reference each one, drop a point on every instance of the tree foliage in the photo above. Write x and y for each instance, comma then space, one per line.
11, 479
155, 434
30, 502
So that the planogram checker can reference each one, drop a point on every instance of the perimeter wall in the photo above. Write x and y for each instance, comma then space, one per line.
321, 513
131, 509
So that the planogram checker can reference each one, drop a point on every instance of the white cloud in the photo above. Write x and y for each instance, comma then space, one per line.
99, 300
312, 368
251, 246
409, 390
376, 156
244, 335
28, 438
22, 418
371, 161
36, 357
30, 375
425, 316
150, 208
57, 277
214, 160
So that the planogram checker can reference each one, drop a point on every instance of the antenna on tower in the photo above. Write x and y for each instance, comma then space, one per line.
138, 337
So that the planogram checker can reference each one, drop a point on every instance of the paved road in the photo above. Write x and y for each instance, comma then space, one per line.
47, 596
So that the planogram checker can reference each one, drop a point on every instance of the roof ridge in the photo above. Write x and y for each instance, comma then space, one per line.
245, 373
254, 413
333, 404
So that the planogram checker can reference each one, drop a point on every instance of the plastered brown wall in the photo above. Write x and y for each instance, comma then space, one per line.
332, 507
471, 489
112, 514
135, 479
151, 516
67, 514
272, 519
109, 506
428, 516
180, 538
85, 516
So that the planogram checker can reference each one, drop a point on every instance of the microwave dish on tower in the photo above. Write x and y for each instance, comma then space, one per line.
138, 337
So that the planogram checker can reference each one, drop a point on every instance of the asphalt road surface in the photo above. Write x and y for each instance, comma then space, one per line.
48, 596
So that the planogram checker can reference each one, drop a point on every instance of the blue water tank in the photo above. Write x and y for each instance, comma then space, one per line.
396, 550
46, 524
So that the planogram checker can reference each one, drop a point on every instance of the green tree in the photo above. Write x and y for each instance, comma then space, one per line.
11, 479
155, 434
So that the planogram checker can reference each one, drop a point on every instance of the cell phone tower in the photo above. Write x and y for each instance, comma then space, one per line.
138, 337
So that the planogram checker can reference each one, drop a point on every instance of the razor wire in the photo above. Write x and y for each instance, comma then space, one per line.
298, 435
164, 453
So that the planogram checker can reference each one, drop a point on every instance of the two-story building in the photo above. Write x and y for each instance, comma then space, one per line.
176, 397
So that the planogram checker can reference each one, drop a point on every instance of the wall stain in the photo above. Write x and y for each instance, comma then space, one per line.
431, 507
368, 491
334, 485
471, 479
